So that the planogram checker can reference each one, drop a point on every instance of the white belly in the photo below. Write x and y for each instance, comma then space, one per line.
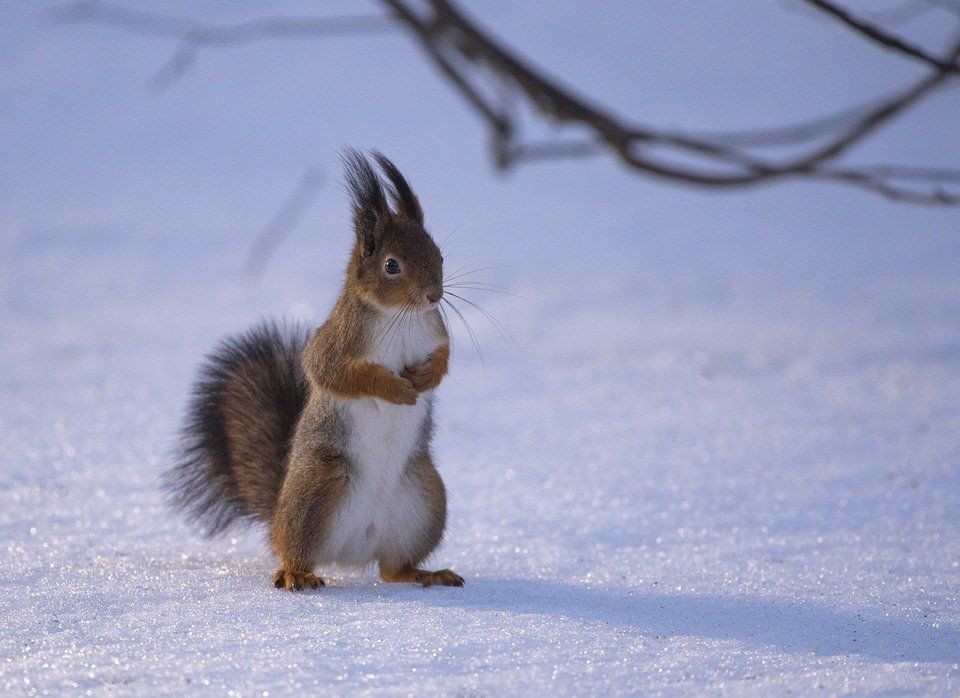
383, 509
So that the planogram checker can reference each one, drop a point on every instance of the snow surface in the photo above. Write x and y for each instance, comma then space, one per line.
722, 458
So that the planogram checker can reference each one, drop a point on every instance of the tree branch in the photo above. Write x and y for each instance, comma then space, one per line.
911, 9
450, 33
883, 38
195, 35
487, 74
283, 221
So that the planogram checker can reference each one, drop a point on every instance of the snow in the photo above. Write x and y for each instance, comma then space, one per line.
722, 457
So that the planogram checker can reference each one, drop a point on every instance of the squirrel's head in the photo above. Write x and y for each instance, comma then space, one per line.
395, 262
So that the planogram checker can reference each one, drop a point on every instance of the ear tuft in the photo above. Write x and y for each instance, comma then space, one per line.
404, 200
367, 195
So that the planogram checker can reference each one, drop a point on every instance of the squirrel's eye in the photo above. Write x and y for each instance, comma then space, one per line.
392, 266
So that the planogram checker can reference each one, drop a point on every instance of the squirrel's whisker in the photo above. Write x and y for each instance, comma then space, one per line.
480, 282
447, 239
387, 325
382, 334
473, 287
444, 318
469, 329
459, 273
504, 332
455, 272
391, 326
398, 326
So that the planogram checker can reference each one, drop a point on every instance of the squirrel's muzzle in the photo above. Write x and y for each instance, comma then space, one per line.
434, 293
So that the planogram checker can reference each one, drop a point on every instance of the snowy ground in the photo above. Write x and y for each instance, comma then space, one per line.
723, 457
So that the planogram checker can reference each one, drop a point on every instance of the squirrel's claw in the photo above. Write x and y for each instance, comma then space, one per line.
296, 581
420, 375
426, 578
447, 578
406, 393
424, 369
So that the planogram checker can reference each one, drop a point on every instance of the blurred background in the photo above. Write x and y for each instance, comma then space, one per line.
748, 391
211, 157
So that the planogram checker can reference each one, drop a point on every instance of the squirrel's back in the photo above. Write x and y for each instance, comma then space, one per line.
244, 409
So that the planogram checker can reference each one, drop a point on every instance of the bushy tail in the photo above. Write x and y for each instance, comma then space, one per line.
242, 415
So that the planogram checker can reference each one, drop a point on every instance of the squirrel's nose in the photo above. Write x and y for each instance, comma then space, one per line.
434, 293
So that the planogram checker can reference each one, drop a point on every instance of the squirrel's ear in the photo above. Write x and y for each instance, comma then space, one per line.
370, 210
404, 200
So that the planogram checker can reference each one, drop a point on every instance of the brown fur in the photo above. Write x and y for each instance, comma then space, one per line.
334, 362
267, 430
242, 415
428, 375
306, 506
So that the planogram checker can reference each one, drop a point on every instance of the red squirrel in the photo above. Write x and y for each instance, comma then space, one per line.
326, 438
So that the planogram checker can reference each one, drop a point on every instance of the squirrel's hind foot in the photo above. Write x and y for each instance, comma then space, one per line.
296, 581
444, 578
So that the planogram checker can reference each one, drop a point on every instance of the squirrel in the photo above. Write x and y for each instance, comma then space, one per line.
325, 438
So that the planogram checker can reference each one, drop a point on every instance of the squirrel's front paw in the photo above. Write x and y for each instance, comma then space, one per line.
295, 581
401, 391
421, 376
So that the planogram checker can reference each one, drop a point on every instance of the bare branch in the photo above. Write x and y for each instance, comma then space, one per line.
195, 35
450, 33
925, 174
870, 179
911, 9
883, 38
283, 221
884, 113
488, 75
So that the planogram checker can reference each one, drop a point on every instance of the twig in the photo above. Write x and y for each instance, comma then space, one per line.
282, 223
196, 35
911, 9
482, 69
449, 33
883, 38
